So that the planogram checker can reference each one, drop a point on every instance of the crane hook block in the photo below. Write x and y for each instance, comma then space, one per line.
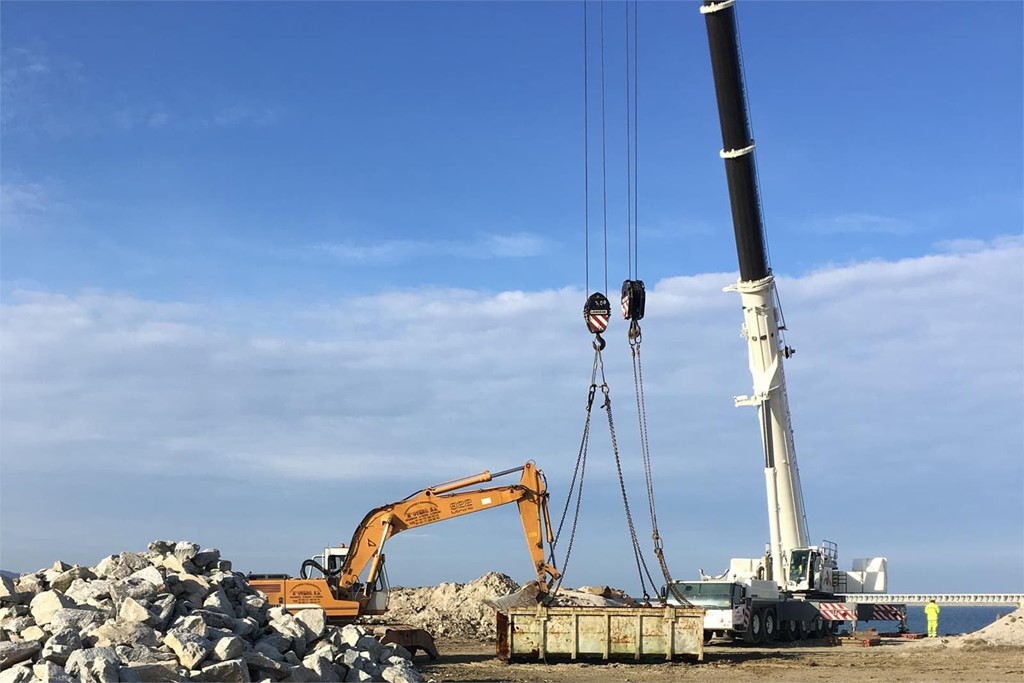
596, 312
634, 299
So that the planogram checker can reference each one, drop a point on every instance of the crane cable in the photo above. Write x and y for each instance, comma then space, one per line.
633, 293
597, 312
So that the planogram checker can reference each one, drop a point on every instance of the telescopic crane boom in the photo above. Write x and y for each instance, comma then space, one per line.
786, 519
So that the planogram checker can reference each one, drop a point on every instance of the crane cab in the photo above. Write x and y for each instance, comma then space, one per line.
811, 569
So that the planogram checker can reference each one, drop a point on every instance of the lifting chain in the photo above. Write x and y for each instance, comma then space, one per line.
577, 477
633, 304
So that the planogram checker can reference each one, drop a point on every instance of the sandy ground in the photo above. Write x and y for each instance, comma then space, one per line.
894, 660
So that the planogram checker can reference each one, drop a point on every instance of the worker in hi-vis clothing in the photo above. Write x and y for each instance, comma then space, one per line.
931, 610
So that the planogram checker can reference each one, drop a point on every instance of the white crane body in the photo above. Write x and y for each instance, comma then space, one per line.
790, 592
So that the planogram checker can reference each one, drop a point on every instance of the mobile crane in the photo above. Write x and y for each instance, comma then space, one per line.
795, 589
344, 596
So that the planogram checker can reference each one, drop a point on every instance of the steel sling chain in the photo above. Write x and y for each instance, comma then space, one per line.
641, 564
635, 337
577, 476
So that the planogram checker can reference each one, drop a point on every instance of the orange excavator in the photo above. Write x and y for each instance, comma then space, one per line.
333, 582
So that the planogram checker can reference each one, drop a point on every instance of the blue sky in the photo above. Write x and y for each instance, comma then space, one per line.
328, 253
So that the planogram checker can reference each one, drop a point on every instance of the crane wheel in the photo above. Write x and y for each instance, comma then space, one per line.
770, 626
755, 629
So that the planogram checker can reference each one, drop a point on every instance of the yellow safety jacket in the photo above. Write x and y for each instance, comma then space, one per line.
932, 610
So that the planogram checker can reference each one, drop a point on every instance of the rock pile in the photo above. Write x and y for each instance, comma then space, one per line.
465, 610
453, 610
174, 613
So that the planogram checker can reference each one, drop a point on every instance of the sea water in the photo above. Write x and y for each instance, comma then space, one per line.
953, 619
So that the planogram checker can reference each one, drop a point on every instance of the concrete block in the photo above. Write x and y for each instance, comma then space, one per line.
61, 644
46, 604
63, 581
161, 612
206, 557
162, 547
357, 675
88, 591
78, 618
151, 673
300, 674
94, 665
48, 672
34, 633
129, 633
351, 634
185, 550
315, 621
218, 601
135, 587
230, 671
190, 648
264, 666
372, 646
225, 649
151, 574
21, 673
30, 584
401, 674
15, 651
319, 665
7, 589
132, 610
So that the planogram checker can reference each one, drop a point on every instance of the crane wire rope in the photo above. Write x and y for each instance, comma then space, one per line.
635, 313
586, 152
604, 155
597, 311
629, 159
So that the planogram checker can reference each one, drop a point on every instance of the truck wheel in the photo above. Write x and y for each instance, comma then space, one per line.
770, 626
821, 629
801, 630
755, 629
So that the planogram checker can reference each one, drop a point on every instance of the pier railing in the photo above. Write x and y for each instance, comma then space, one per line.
941, 598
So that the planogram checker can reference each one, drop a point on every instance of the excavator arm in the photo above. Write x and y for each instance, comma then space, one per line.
447, 501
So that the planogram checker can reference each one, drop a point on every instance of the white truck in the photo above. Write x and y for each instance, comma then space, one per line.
790, 592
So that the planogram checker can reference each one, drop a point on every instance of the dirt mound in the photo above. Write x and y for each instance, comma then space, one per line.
455, 610
1007, 631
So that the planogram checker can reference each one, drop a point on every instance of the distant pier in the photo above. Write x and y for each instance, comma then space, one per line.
941, 598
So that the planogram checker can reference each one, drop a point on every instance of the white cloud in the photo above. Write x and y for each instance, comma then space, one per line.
906, 389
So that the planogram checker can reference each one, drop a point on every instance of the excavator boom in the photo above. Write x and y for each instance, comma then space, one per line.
344, 596
446, 501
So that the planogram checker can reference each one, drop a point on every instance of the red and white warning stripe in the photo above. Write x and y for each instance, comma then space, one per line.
598, 322
743, 615
886, 613
836, 611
